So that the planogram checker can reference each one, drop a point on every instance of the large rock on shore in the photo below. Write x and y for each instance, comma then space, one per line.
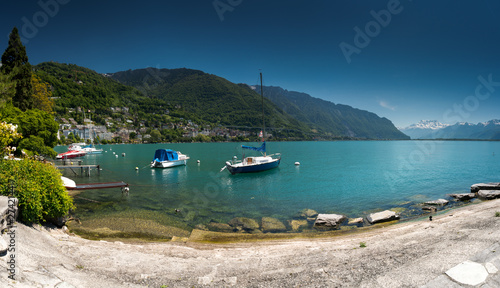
383, 216
463, 196
489, 194
272, 225
484, 186
331, 221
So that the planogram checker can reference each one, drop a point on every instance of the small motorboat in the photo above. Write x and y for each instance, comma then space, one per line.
89, 149
165, 158
71, 154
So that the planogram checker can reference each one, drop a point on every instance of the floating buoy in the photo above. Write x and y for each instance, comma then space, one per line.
297, 163
197, 161
123, 154
116, 156
136, 168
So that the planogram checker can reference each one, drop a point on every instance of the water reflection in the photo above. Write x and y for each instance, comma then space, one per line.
172, 175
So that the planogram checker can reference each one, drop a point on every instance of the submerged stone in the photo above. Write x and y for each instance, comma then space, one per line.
437, 202
307, 213
220, 227
429, 208
354, 221
297, 225
243, 223
272, 225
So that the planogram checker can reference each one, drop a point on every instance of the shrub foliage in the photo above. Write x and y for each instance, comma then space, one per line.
38, 187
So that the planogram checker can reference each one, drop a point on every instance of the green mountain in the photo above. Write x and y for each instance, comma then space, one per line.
155, 97
210, 99
74, 86
333, 119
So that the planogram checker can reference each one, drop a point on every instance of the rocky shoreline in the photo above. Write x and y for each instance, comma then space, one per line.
408, 254
306, 221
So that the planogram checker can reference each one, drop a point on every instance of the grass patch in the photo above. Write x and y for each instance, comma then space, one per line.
497, 214
362, 244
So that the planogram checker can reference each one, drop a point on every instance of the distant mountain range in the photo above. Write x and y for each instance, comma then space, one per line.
215, 98
432, 129
154, 97
333, 119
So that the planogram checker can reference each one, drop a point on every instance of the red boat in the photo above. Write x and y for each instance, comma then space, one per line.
71, 154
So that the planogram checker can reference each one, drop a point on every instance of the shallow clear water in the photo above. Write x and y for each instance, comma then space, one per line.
344, 177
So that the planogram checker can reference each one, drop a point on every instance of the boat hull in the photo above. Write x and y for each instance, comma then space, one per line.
168, 164
252, 168
70, 154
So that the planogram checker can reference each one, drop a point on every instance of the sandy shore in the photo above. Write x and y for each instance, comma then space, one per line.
403, 255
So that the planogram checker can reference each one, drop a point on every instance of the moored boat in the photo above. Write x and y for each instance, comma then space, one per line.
165, 158
71, 154
255, 163
89, 149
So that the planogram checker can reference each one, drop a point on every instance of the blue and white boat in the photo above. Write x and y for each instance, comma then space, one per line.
165, 158
254, 163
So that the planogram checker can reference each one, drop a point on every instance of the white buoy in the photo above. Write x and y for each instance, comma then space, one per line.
197, 161
116, 156
136, 168
123, 154
297, 163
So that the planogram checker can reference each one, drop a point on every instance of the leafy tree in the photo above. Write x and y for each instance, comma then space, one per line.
15, 60
33, 123
41, 94
35, 146
7, 89
155, 136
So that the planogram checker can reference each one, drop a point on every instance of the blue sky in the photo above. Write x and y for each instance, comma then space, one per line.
404, 60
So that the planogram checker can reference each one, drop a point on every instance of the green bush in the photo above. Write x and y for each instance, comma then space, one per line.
38, 187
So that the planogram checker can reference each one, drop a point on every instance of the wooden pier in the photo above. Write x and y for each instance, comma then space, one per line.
84, 169
89, 186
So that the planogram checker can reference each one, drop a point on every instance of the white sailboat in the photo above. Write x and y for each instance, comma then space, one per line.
255, 163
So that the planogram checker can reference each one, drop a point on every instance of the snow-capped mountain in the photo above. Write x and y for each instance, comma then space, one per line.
432, 129
428, 124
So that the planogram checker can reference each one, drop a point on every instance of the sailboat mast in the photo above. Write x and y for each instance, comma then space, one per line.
263, 121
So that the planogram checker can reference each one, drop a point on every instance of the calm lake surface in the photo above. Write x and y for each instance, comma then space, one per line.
353, 178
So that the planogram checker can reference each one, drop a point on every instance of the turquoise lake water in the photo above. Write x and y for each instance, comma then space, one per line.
345, 177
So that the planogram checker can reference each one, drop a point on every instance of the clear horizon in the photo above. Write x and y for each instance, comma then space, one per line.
403, 60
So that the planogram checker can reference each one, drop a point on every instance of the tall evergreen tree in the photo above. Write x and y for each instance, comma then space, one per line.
7, 89
15, 60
